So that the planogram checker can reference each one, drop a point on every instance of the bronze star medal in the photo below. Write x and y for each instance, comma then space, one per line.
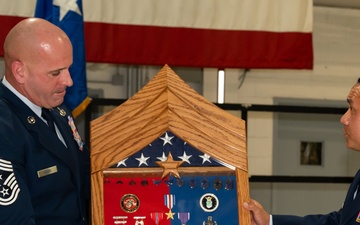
170, 166
170, 215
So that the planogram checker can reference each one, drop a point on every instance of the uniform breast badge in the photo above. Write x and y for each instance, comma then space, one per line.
209, 202
130, 203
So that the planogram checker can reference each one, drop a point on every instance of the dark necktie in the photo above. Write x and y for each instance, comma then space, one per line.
45, 113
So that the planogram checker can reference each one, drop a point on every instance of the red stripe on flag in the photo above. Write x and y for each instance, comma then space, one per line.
150, 45
7, 22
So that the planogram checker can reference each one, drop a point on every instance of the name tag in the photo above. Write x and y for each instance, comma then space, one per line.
47, 171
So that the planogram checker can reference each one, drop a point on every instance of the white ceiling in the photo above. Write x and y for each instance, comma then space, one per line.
338, 3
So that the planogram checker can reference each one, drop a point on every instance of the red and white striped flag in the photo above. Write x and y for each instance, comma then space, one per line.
196, 33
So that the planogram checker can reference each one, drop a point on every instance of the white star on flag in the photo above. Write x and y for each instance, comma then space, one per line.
122, 162
66, 6
142, 159
163, 158
185, 157
167, 139
205, 157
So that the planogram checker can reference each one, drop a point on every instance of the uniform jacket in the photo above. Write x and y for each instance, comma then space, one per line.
349, 214
42, 182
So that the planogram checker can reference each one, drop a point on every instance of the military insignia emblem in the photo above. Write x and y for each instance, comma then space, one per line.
229, 184
209, 202
76, 134
205, 183
130, 203
217, 184
9, 188
31, 120
62, 112
180, 182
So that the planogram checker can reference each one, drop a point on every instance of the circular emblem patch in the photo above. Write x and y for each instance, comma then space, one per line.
209, 202
130, 203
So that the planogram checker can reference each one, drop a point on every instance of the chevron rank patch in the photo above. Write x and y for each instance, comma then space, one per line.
9, 188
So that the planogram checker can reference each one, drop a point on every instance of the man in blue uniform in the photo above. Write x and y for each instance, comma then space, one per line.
44, 172
349, 214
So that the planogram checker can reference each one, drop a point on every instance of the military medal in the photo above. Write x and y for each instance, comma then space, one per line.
156, 217
169, 201
183, 217
130, 203
209, 202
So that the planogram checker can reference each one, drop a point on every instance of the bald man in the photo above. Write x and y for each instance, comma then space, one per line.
44, 164
349, 213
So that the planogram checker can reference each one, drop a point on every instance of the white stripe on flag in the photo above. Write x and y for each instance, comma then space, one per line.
264, 15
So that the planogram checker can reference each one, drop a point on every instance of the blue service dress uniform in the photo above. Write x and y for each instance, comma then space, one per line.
42, 181
349, 214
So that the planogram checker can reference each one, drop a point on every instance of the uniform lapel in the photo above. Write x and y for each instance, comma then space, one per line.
53, 144
61, 118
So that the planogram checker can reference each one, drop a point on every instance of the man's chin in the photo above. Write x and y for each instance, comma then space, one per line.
58, 102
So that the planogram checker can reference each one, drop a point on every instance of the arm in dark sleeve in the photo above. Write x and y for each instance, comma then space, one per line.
326, 219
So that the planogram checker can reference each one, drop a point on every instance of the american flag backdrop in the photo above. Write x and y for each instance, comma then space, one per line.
192, 33
190, 199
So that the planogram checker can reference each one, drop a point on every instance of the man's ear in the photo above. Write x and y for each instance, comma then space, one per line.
19, 70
